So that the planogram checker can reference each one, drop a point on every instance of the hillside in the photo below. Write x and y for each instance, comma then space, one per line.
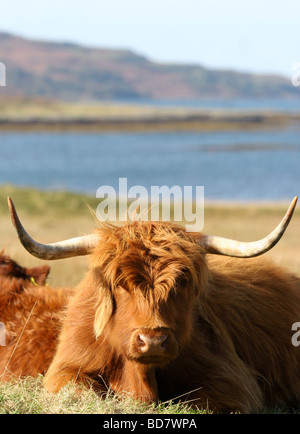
72, 72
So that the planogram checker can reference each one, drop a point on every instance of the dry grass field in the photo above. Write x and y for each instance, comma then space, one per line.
50, 217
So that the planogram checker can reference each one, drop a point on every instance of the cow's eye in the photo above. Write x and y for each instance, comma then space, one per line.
181, 282
184, 276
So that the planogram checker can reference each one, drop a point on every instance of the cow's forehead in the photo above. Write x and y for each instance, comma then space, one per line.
145, 231
149, 268
148, 238
145, 254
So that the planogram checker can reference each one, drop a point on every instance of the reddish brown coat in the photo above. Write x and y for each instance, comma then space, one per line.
31, 314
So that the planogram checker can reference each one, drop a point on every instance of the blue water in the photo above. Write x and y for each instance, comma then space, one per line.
230, 165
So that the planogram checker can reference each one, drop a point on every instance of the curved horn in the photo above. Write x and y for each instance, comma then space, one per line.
63, 249
227, 247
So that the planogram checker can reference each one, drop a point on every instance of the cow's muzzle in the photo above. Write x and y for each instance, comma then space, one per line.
153, 346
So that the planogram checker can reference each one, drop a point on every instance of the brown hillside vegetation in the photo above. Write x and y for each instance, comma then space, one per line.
69, 71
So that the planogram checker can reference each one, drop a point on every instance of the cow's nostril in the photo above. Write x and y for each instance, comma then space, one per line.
164, 340
141, 341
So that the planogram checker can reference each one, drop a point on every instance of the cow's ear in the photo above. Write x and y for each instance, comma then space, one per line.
104, 310
39, 274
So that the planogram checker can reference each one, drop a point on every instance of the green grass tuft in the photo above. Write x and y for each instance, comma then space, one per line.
27, 396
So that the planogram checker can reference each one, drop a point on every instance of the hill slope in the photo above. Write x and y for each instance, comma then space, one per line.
68, 71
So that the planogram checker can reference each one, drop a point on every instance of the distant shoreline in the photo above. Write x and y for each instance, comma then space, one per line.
187, 122
30, 114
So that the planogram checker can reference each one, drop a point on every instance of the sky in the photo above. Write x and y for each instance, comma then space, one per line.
260, 36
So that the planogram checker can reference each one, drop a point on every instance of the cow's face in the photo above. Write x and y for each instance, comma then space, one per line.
152, 329
148, 293
12, 270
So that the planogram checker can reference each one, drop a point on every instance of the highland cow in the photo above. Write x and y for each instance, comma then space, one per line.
31, 313
159, 316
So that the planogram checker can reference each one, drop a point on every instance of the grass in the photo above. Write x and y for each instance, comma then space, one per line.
26, 108
28, 396
51, 216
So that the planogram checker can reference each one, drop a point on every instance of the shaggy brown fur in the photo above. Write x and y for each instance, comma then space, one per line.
32, 315
225, 324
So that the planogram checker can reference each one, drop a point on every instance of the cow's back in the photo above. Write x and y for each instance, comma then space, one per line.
253, 304
32, 323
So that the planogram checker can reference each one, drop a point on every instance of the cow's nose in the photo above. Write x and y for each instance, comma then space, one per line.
152, 345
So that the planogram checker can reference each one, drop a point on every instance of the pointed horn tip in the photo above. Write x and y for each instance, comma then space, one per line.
9, 201
12, 210
10, 204
292, 206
